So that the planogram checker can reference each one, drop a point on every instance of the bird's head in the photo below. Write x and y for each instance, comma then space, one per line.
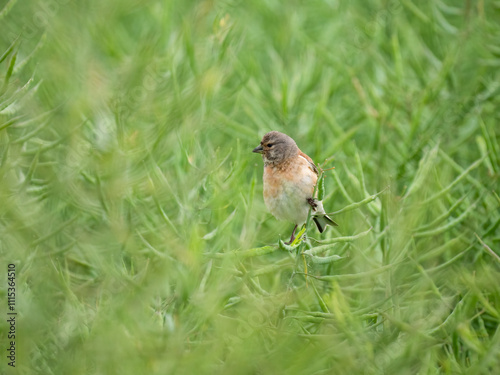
275, 147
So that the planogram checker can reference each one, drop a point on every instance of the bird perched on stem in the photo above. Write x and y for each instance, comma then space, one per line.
289, 180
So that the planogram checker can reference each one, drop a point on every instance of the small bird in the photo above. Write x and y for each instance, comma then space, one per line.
289, 180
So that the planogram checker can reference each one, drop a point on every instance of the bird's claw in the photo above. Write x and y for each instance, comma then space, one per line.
312, 203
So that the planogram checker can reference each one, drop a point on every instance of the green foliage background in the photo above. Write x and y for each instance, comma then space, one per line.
132, 207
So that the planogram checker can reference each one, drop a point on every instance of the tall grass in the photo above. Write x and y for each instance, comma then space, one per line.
132, 205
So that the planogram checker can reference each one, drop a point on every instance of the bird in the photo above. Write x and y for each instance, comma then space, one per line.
289, 180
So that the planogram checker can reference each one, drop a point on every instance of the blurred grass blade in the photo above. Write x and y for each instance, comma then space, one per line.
333, 241
9, 49
444, 216
6, 9
10, 69
451, 224
424, 167
361, 203
354, 276
258, 251
325, 259
321, 186
454, 183
493, 254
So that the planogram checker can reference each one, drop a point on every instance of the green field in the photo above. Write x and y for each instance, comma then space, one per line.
131, 204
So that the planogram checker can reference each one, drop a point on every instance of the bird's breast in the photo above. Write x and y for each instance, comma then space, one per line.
286, 189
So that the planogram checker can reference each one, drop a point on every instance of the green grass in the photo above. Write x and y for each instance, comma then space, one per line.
131, 204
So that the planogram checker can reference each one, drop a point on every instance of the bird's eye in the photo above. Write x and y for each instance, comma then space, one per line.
269, 145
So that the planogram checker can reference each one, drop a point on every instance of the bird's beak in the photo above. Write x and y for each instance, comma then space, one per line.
258, 149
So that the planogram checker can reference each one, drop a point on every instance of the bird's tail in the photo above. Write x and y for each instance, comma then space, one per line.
322, 220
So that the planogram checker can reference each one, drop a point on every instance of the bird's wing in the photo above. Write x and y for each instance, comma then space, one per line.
310, 162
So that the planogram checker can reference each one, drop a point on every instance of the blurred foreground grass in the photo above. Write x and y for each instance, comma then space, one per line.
132, 205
